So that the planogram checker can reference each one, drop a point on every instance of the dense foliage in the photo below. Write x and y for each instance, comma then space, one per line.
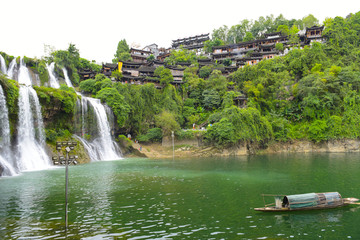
310, 93
11, 90
58, 106
122, 52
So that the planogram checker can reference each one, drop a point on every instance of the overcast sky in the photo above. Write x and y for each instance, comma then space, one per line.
96, 26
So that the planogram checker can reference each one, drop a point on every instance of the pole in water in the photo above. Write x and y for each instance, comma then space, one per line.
69, 160
172, 136
66, 185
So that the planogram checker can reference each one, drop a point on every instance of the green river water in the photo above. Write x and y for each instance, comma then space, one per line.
210, 198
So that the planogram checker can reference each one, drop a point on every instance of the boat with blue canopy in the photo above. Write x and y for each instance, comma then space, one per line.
307, 201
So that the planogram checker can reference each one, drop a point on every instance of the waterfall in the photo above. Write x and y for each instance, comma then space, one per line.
103, 144
12, 69
6, 162
102, 147
54, 83
67, 79
31, 137
3, 65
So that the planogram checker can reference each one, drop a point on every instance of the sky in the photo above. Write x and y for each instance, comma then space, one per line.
96, 26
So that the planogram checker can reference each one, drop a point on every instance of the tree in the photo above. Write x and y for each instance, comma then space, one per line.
248, 37
221, 33
217, 82
166, 121
209, 44
181, 55
237, 33
116, 101
222, 133
205, 71
165, 75
284, 29
294, 37
117, 75
227, 62
150, 58
122, 52
279, 47
263, 25
310, 21
211, 99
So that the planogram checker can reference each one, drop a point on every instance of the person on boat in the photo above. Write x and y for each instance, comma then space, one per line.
285, 202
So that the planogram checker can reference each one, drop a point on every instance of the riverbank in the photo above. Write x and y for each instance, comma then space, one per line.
157, 150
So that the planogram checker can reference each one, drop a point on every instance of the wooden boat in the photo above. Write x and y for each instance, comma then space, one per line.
307, 201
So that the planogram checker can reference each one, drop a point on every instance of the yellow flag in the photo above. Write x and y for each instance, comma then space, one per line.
120, 66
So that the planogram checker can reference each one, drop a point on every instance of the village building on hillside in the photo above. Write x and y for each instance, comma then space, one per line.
252, 52
315, 34
163, 53
153, 49
108, 68
140, 71
195, 43
86, 74
139, 55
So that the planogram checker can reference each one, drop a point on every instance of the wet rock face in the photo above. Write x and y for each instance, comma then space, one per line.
1, 170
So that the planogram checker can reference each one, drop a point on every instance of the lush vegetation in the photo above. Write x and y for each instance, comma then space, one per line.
310, 93
122, 52
11, 89
58, 110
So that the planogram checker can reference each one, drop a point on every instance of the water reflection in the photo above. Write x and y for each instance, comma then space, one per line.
195, 199
25, 200
301, 219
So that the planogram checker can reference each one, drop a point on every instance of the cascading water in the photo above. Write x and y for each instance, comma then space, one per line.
3, 65
12, 69
54, 83
31, 137
67, 79
102, 147
6, 162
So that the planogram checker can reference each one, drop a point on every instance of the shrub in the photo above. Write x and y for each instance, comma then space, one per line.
318, 131
152, 135
205, 71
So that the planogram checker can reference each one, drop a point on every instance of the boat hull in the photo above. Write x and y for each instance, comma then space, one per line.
273, 209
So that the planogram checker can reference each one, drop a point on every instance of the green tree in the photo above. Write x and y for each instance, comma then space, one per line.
284, 29
122, 52
294, 37
248, 37
238, 33
209, 44
221, 33
205, 71
310, 21
116, 102
117, 75
179, 56
164, 74
151, 58
217, 82
211, 100
222, 133
279, 47
70, 59
166, 121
